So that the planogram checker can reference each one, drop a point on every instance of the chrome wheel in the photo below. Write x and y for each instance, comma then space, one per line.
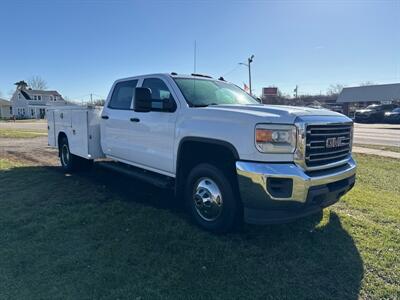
65, 155
207, 199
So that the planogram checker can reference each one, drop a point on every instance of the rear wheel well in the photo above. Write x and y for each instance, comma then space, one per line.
193, 152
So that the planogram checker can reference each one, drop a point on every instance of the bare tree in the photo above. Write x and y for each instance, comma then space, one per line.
37, 83
335, 89
99, 102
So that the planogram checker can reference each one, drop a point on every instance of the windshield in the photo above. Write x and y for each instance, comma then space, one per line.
201, 92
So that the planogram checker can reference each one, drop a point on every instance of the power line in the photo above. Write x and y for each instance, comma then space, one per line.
231, 71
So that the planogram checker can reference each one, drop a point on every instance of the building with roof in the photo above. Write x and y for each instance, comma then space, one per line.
5, 109
361, 96
31, 104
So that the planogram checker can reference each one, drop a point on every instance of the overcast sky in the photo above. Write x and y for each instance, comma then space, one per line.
81, 47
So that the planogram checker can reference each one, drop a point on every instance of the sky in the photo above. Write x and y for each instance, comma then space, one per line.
81, 47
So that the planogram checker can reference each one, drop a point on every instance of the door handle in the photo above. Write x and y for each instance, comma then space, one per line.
105, 117
135, 120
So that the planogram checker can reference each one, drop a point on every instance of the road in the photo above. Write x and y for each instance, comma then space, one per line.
377, 134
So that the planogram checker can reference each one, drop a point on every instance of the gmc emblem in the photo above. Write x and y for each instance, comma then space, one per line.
334, 142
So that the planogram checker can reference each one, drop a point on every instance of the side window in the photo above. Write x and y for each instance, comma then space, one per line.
159, 92
122, 95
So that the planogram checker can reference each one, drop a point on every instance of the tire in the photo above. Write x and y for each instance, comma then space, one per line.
211, 200
71, 162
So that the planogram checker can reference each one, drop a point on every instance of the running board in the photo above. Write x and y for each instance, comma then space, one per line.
153, 178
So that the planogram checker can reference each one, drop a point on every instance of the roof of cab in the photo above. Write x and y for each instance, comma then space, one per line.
172, 75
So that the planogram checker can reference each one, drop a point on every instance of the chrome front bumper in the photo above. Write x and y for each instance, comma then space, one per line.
315, 190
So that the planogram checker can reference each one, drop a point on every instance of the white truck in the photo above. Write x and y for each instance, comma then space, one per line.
228, 157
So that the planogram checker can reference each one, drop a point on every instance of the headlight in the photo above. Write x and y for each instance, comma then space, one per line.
275, 138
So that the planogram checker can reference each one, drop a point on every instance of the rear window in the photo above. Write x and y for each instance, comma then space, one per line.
122, 95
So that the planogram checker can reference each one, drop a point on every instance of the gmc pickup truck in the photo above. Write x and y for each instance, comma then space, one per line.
228, 157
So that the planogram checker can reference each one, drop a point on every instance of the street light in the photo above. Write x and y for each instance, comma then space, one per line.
249, 61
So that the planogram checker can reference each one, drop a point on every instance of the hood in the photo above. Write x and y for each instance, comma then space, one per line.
274, 110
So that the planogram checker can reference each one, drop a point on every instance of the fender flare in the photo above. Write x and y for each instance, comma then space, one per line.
203, 140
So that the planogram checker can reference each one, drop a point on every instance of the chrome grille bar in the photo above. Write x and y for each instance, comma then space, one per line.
332, 157
329, 133
331, 152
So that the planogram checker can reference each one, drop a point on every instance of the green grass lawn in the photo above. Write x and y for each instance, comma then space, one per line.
379, 147
21, 133
103, 236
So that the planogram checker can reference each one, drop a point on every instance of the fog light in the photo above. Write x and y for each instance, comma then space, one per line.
280, 187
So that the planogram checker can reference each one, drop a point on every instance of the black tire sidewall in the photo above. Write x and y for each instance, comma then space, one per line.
230, 214
67, 167
75, 163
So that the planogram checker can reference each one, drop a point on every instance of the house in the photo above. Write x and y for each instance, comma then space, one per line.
5, 109
31, 104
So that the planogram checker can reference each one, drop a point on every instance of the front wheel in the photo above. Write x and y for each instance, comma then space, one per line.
211, 199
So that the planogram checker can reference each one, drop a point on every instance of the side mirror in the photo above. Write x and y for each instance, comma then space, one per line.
142, 101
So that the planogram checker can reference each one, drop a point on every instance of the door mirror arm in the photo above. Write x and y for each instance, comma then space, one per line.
169, 105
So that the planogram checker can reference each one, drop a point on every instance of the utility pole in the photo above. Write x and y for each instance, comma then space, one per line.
295, 91
250, 60
91, 98
195, 56
248, 65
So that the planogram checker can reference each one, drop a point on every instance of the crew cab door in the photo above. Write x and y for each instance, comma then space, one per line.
154, 132
116, 128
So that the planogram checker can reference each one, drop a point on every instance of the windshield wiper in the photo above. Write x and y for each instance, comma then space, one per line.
204, 105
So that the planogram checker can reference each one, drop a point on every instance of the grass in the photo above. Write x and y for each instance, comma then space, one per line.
21, 133
102, 236
379, 147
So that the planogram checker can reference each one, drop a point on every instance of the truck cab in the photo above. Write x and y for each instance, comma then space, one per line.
228, 157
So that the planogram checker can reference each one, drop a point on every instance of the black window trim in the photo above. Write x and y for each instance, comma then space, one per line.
112, 94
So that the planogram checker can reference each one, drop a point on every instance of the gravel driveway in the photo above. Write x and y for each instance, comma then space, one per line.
32, 151
33, 125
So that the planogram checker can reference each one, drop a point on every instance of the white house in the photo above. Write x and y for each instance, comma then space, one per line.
28, 103
5, 109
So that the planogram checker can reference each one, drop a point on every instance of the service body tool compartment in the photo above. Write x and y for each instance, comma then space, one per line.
51, 133
82, 128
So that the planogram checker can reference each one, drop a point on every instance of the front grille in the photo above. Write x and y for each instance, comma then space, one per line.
327, 144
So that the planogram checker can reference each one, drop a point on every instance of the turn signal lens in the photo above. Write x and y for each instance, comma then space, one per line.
263, 135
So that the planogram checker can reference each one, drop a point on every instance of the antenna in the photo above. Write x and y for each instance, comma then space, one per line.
194, 56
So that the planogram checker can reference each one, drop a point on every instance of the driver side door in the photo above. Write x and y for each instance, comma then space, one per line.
153, 133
